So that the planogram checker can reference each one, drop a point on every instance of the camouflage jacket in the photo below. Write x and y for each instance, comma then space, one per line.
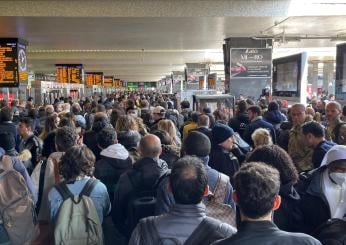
337, 132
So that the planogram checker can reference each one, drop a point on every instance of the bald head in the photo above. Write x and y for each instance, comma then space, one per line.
150, 146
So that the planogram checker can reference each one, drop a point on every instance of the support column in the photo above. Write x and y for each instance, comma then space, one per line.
328, 77
314, 77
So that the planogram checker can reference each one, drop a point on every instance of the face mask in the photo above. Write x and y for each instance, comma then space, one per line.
339, 178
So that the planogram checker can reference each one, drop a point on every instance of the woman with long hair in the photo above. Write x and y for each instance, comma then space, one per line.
50, 125
169, 127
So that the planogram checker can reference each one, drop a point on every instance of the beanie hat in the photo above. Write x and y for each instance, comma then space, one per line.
221, 132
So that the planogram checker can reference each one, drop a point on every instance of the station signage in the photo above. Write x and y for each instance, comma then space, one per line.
108, 81
94, 78
69, 73
251, 62
13, 62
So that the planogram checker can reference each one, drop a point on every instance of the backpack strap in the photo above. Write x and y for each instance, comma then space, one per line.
64, 191
88, 187
149, 234
56, 167
202, 234
41, 185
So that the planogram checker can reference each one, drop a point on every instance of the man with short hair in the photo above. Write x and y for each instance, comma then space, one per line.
300, 152
241, 119
145, 175
203, 126
257, 188
191, 125
336, 129
158, 114
257, 121
114, 159
189, 183
30, 142
323, 193
314, 137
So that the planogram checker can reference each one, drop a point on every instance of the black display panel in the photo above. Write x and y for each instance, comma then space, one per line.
340, 72
287, 76
13, 62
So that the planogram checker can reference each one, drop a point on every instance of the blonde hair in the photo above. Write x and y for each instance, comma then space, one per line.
126, 123
169, 127
261, 136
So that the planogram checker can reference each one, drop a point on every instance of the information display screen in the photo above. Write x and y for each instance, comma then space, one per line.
69, 73
117, 83
93, 78
108, 81
13, 62
287, 76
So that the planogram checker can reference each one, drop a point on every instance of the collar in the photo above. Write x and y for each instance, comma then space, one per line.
257, 118
193, 210
257, 225
319, 144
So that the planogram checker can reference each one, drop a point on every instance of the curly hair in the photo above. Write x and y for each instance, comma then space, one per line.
65, 137
126, 123
277, 157
77, 161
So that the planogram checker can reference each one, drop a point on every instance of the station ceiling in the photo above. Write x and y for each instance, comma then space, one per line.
146, 40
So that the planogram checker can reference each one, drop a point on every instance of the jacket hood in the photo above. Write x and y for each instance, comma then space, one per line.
150, 170
274, 117
117, 151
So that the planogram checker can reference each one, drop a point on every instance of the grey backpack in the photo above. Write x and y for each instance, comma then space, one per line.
17, 210
77, 222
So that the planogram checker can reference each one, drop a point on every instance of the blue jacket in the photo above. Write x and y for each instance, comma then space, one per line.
255, 124
274, 117
320, 151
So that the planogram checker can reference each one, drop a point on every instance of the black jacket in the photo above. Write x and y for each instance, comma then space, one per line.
111, 166
266, 233
90, 140
145, 173
170, 154
255, 124
314, 204
320, 151
289, 216
34, 145
239, 122
11, 128
205, 131
224, 162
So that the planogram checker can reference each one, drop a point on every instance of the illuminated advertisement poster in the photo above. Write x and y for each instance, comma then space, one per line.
212, 81
251, 62
69, 73
13, 62
193, 75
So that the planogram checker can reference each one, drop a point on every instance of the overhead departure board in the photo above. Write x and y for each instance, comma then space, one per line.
117, 83
93, 78
108, 81
13, 62
69, 73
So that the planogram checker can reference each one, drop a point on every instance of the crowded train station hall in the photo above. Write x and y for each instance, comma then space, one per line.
173, 122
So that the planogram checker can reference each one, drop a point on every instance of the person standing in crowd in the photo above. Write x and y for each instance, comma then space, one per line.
323, 191
76, 168
257, 206
300, 152
257, 121
288, 216
314, 137
7, 124
274, 115
336, 129
261, 136
224, 153
144, 176
170, 152
158, 115
241, 119
30, 142
203, 126
114, 160
188, 183
196, 144
185, 110
191, 125
169, 127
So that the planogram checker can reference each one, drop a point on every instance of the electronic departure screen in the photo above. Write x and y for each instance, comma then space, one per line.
13, 62
108, 81
94, 78
69, 73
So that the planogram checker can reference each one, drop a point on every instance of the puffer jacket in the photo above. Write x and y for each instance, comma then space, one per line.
180, 223
145, 173
115, 160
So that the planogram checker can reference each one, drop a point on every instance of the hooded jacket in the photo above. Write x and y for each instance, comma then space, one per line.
275, 117
115, 160
239, 122
144, 176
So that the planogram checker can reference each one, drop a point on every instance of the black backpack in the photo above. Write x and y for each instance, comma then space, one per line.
142, 203
332, 232
205, 233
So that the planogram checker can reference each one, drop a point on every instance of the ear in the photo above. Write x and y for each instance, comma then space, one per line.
206, 191
235, 197
277, 202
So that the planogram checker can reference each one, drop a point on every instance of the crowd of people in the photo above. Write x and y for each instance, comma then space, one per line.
143, 168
